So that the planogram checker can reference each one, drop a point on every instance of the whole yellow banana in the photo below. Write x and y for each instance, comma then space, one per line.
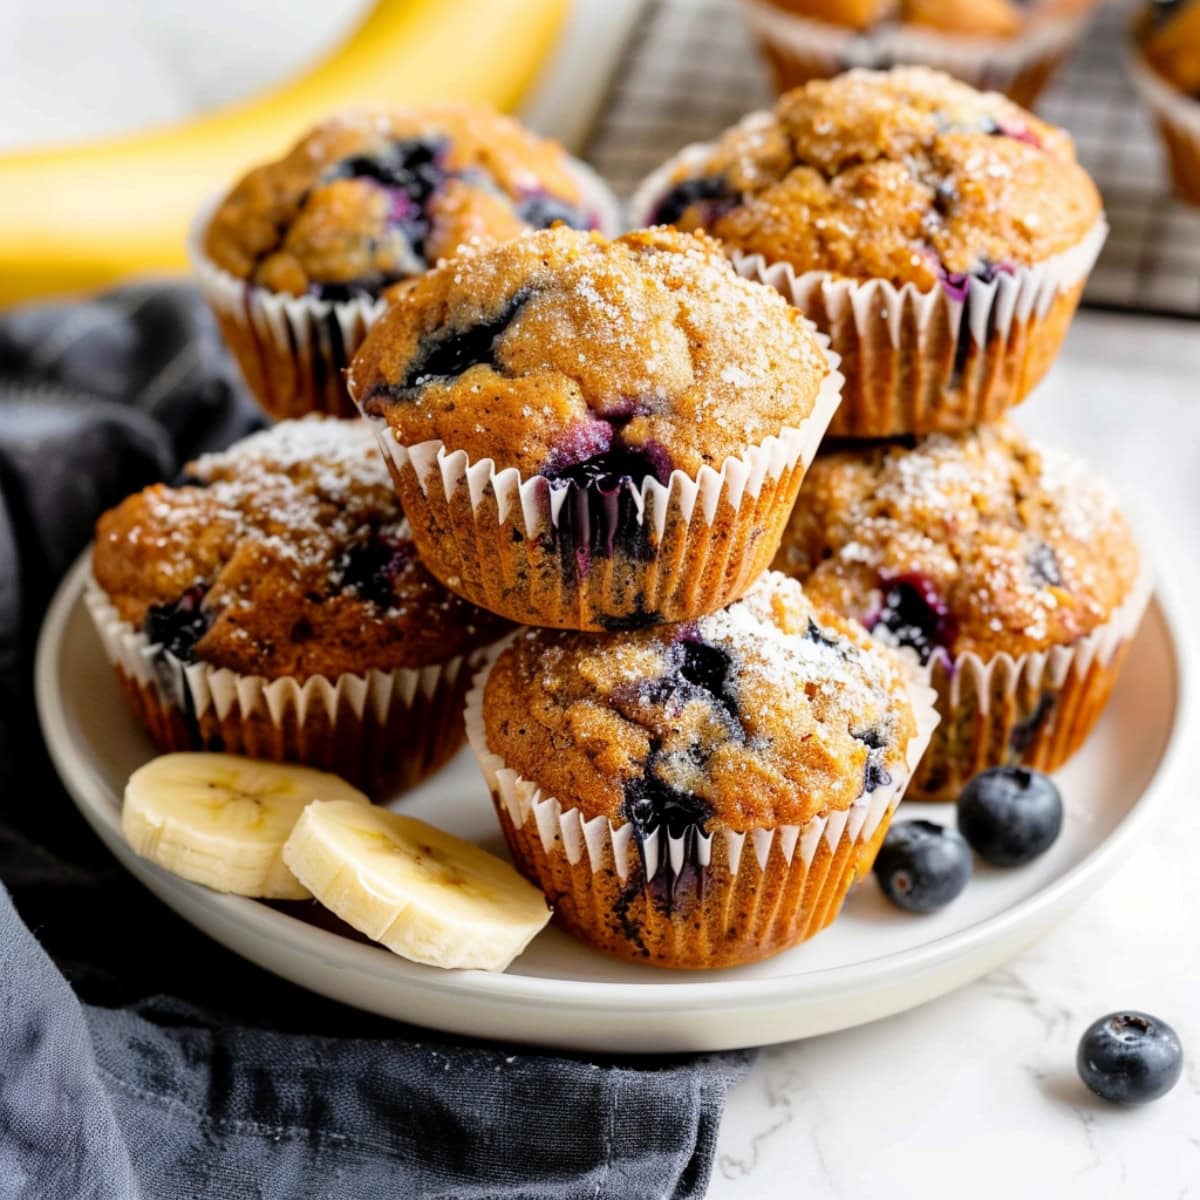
82, 215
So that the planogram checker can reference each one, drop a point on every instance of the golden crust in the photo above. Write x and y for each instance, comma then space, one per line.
1024, 547
651, 342
587, 717
287, 225
905, 175
266, 531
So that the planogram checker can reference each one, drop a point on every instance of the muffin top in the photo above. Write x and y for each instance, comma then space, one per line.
904, 175
763, 714
564, 354
976, 18
285, 555
371, 197
981, 542
1169, 33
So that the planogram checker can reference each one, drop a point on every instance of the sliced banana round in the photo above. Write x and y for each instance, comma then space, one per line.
421, 892
221, 820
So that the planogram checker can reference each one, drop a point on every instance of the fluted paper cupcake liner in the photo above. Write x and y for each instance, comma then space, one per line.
800, 48
921, 361
293, 351
1036, 709
381, 730
689, 899
1178, 120
589, 557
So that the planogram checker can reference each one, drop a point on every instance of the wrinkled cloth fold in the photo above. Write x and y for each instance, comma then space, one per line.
139, 1059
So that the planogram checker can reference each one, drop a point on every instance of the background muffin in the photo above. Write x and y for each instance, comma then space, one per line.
364, 201
1006, 568
590, 434
704, 794
1166, 69
940, 235
1012, 46
273, 605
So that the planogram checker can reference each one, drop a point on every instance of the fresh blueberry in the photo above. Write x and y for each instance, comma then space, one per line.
541, 210
179, 626
915, 615
370, 568
1129, 1058
1010, 815
922, 866
607, 471
712, 194
1043, 565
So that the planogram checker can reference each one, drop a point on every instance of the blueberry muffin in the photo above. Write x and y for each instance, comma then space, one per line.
1006, 568
272, 604
704, 794
939, 235
594, 434
1010, 46
1166, 68
299, 257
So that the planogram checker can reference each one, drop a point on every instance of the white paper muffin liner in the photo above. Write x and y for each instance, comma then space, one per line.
361, 709
1036, 708
1019, 65
1178, 118
906, 371
607, 856
713, 534
293, 350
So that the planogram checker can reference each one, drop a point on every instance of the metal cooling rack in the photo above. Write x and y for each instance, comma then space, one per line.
690, 70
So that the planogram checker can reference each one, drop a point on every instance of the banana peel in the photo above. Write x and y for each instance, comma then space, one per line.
74, 217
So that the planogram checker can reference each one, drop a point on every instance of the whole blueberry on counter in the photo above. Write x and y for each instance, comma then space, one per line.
1130, 1058
1010, 815
922, 866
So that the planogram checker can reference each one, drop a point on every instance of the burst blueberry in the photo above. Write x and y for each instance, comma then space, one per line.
922, 866
915, 614
370, 568
1130, 1058
1010, 815
712, 195
541, 210
180, 625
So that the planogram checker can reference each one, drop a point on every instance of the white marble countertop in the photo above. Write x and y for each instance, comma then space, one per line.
976, 1092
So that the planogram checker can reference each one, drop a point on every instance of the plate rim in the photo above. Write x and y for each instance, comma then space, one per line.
80, 779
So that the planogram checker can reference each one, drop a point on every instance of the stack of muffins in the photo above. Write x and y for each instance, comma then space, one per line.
603, 443
941, 237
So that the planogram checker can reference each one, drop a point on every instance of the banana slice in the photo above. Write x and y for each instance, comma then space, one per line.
222, 821
422, 893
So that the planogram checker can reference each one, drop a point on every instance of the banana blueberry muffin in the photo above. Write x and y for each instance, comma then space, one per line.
366, 200
703, 794
1167, 70
272, 604
940, 235
1006, 568
1012, 46
592, 434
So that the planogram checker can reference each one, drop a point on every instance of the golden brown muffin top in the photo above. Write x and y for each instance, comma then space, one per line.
285, 555
763, 714
1169, 34
981, 542
371, 197
904, 175
974, 18
562, 352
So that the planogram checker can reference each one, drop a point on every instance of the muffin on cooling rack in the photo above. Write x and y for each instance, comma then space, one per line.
1005, 567
704, 794
593, 434
1010, 46
1166, 70
297, 259
939, 235
272, 604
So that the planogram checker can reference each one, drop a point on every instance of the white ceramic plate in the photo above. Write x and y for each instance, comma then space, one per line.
872, 962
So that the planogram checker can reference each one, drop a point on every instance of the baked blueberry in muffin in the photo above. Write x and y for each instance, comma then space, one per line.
994, 562
732, 774
562, 412
275, 606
